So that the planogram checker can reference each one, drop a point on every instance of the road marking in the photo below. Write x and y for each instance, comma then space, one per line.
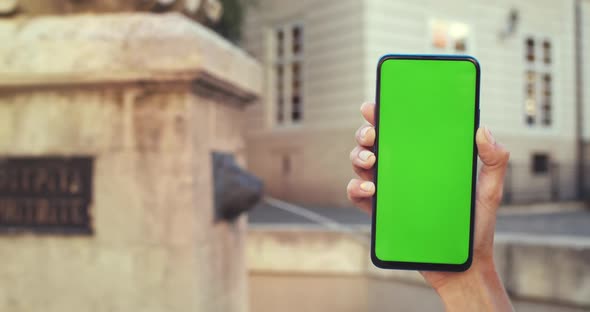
316, 218
552, 240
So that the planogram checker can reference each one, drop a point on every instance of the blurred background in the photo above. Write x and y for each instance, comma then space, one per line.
136, 137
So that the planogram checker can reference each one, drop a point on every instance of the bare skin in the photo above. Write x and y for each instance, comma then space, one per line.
479, 288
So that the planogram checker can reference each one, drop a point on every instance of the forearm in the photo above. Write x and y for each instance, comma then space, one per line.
478, 289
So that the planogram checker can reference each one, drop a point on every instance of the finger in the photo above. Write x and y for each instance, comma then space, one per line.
368, 111
365, 136
365, 174
360, 193
362, 162
362, 158
491, 175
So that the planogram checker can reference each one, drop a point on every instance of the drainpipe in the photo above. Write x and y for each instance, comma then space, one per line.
579, 100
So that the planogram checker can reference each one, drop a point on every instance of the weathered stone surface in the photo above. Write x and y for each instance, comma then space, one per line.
119, 48
541, 274
318, 252
554, 273
121, 89
211, 9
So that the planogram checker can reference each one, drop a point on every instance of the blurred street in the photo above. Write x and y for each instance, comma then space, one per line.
550, 220
306, 250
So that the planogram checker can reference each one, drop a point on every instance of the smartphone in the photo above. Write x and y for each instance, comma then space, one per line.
427, 114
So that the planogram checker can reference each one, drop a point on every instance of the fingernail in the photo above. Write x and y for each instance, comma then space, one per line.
363, 105
364, 155
364, 131
367, 186
489, 136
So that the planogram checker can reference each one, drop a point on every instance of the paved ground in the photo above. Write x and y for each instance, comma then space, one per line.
574, 223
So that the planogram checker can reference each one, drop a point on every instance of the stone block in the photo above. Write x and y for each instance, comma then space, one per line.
549, 272
122, 89
61, 122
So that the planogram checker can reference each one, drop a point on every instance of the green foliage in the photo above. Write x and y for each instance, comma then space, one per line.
230, 25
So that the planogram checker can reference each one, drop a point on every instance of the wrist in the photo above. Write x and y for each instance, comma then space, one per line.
480, 272
477, 289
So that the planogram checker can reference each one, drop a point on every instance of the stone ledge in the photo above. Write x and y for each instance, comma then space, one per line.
550, 269
304, 252
116, 48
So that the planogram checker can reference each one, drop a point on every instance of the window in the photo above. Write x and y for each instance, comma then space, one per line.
546, 105
547, 52
296, 92
540, 164
530, 105
288, 61
530, 50
280, 92
449, 37
538, 83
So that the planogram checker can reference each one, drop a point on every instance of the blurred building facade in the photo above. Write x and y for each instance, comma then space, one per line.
320, 59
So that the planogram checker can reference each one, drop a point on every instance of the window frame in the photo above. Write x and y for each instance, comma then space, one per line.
287, 60
449, 49
533, 164
541, 69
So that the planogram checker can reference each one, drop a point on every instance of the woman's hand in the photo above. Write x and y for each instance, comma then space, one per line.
479, 288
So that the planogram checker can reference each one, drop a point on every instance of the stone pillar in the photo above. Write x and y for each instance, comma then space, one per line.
147, 98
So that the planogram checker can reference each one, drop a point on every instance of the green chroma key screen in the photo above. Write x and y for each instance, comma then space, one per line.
428, 112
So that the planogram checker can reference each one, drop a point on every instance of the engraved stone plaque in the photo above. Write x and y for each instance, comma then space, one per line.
46, 194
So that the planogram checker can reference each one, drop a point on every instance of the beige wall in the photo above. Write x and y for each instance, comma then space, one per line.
502, 61
585, 5
320, 166
152, 216
336, 85
333, 59
312, 269
503, 68
315, 293
149, 97
308, 293
333, 67
149, 243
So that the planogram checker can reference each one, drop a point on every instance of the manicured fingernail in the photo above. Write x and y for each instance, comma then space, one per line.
367, 186
363, 105
489, 136
364, 131
364, 155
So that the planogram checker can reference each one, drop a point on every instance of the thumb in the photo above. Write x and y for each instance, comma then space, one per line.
491, 175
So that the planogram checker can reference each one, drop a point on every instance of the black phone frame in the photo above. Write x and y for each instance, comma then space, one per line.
422, 266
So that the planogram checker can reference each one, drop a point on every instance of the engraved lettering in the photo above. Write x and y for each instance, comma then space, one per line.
75, 212
63, 180
63, 212
17, 214
42, 211
29, 213
43, 194
3, 179
3, 205
11, 213
25, 179
41, 179
52, 215
12, 179
76, 183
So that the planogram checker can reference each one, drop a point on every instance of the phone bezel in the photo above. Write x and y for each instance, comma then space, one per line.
384, 264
